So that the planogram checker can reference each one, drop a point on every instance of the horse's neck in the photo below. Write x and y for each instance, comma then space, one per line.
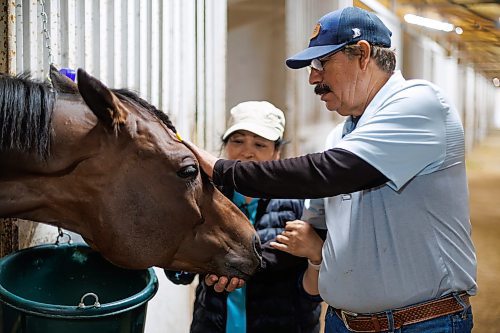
44, 191
29, 199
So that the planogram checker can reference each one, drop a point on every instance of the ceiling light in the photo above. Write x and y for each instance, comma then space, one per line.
496, 82
459, 30
428, 23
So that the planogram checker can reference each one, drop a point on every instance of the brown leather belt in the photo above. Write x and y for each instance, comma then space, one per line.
377, 322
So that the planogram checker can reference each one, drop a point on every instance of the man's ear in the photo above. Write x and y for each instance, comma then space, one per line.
365, 49
62, 83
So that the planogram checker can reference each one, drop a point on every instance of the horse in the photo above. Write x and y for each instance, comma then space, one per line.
108, 165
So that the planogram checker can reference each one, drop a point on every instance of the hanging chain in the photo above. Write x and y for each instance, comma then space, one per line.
45, 29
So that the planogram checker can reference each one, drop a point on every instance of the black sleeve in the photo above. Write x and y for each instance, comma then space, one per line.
335, 171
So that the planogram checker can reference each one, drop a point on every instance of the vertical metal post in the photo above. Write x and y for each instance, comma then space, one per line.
7, 36
9, 232
9, 236
3, 36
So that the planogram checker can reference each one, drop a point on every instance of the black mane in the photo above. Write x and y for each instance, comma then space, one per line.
131, 96
25, 114
26, 107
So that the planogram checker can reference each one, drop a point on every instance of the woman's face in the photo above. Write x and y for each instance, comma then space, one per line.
247, 146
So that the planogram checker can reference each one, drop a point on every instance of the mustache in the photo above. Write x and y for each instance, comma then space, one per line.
321, 89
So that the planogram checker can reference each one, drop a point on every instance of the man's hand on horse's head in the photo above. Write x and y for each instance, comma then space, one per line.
205, 159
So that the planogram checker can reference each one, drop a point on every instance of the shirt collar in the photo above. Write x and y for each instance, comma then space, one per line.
382, 95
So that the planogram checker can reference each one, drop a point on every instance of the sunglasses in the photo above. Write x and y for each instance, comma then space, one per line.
319, 63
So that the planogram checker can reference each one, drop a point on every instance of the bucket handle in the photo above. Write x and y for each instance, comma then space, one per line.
96, 304
61, 235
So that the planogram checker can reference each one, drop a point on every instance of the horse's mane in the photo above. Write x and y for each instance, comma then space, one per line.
26, 107
129, 95
25, 114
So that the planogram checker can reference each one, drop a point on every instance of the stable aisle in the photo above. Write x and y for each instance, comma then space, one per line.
483, 168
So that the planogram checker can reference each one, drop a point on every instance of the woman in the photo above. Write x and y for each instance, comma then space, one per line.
273, 300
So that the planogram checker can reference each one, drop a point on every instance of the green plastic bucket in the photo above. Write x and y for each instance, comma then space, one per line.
71, 289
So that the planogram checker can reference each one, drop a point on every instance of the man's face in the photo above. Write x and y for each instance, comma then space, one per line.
340, 84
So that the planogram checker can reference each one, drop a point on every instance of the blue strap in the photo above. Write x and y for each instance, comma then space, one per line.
236, 301
236, 312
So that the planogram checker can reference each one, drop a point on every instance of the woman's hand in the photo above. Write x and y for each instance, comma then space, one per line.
300, 239
222, 283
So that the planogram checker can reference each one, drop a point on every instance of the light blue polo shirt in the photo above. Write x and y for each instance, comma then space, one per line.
410, 240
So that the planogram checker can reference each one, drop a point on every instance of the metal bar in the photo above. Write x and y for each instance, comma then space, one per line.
155, 67
9, 233
19, 38
144, 49
132, 41
103, 41
9, 236
166, 46
201, 80
30, 36
215, 53
54, 7
3, 37
118, 54
8, 36
79, 38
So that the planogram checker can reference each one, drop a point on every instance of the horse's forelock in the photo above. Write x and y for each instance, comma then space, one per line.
26, 107
128, 95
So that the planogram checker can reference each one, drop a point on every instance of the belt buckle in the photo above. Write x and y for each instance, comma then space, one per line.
343, 314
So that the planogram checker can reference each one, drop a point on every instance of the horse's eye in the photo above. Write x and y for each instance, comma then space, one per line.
189, 171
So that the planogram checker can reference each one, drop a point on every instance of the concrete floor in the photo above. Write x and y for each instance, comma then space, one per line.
483, 167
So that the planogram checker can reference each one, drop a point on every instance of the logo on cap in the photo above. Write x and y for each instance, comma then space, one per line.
316, 30
356, 32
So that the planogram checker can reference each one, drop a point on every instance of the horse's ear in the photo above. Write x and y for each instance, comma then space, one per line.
105, 105
62, 83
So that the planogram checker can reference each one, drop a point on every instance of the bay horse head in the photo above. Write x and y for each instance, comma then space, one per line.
108, 165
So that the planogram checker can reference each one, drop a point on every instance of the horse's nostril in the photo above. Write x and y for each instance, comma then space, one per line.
256, 246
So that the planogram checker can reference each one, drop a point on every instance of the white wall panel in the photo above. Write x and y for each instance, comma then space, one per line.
171, 52
212, 72
131, 31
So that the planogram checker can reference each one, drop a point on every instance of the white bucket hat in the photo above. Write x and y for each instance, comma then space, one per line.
259, 117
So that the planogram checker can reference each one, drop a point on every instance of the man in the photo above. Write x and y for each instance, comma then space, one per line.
399, 252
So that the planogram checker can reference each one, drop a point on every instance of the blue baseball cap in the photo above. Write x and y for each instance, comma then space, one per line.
338, 29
